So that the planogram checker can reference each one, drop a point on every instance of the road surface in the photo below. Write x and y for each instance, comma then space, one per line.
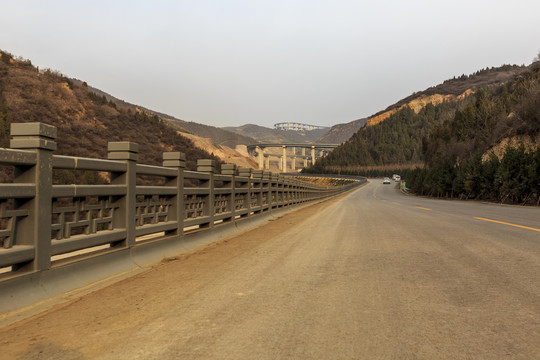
374, 274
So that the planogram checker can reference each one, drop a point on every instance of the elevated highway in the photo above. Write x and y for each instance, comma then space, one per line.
289, 152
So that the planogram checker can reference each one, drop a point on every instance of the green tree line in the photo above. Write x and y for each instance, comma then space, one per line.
396, 140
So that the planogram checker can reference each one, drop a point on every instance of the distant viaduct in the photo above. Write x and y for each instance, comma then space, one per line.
257, 151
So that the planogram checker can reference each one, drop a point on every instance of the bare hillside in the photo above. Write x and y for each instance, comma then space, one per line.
342, 132
218, 135
85, 120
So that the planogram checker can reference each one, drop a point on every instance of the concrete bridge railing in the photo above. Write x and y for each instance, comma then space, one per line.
42, 223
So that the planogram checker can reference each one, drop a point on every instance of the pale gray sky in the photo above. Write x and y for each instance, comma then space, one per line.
232, 62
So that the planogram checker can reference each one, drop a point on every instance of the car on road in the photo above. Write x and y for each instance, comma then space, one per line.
386, 180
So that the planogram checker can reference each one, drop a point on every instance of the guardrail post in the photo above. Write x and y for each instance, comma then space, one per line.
208, 166
230, 170
274, 189
280, 190
286, 191
35, 229
267, 190
286, 181
125, 217
258, 184
176, 160
246, 173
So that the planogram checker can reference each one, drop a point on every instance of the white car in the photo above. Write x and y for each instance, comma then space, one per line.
386, 180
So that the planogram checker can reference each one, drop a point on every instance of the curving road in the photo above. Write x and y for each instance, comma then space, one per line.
374, 274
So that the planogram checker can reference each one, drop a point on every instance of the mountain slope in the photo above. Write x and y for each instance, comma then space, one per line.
342, 132
85, 121
395, 135
490, 149
218, 135
450, 90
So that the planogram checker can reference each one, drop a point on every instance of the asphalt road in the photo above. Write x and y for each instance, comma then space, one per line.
374, 274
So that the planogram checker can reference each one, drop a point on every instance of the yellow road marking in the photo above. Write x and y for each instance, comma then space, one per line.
509, 224
423, 208
395, 203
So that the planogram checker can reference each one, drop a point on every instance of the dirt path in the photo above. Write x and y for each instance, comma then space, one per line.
345, 279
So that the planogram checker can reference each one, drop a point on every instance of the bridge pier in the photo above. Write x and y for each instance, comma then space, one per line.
257, 152
284, 158
260, 155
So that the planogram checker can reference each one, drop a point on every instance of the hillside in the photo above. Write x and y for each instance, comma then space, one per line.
395, 135
490, 149
485, 145
85, 121
238, 156
450, 90
264, 134
218, 135
342, 132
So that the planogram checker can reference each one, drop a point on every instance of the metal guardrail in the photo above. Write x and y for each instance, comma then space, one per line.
41, 221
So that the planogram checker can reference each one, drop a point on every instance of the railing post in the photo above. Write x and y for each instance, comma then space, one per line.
275, 195
35, 229
208, 166
230, 170
267, 191
279, 192
246, 173
177, 161
258, 179
125, 217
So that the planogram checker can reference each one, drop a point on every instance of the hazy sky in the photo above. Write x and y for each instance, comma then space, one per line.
232, 62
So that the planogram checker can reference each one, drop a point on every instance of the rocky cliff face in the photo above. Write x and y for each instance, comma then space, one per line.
418, 104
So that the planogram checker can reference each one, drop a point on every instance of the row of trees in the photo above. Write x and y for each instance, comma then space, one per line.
396, 140
455, 151
515, 178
